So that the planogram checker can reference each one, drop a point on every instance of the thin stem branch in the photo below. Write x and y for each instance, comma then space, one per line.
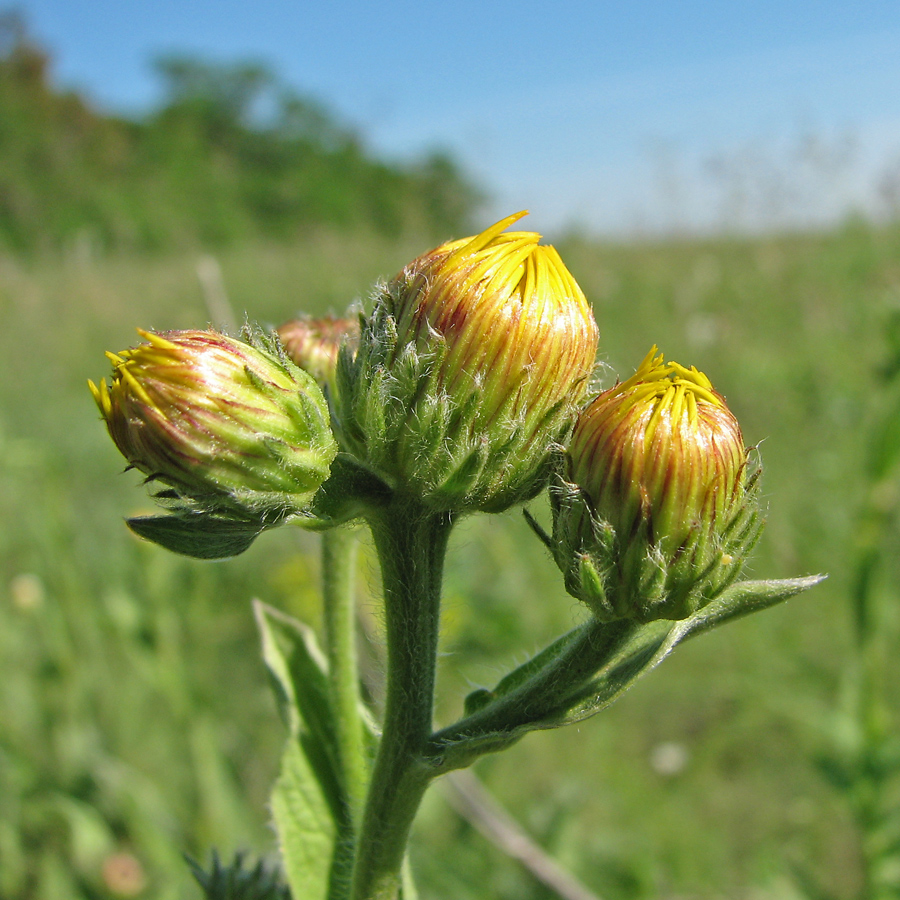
411, 543
338, 570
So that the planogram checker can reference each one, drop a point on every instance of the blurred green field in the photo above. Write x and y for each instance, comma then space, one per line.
135, 720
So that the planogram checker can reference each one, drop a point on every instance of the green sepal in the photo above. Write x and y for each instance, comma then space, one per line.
193, 531
349, 492
197, 535
591, 585
398, 416
538, 530
630, 576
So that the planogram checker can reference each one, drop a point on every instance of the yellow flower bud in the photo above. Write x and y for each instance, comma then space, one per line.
314, 343
470, 369
656, 519
229, 426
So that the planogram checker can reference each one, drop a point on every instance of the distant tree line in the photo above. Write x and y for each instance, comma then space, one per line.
230, 154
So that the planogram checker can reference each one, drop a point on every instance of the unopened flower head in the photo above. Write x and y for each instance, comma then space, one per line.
656, 517
512, 316
229, 426
661, 447
479, 353
314, 344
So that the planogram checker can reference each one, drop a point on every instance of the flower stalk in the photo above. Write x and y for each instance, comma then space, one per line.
339, 546
411, 542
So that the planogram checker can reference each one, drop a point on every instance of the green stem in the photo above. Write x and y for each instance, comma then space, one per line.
338, 570
411, 542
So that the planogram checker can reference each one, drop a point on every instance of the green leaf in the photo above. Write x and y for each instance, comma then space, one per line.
585, 670
529, 697
307, 831
651, 644
197, 535
745, 597
308, 805
519, 676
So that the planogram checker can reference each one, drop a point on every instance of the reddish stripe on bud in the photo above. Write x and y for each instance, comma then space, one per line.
219, 420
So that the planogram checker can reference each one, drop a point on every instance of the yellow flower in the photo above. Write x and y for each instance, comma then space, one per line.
512, 316
227, 425
314, 343
660, 514
661, 448
480, 352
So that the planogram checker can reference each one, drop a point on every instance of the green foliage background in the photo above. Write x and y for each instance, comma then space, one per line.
135, 720
231, 154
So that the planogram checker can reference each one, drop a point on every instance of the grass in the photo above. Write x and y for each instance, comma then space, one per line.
136, 722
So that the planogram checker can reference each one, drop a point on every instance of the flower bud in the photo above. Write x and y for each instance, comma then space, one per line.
658, 510
230, 427
313, 344
469, 370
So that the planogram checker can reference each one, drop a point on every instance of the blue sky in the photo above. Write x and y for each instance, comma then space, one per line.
615, 117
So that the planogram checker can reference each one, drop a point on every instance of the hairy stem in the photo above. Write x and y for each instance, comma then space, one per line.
411, 543
338, 569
